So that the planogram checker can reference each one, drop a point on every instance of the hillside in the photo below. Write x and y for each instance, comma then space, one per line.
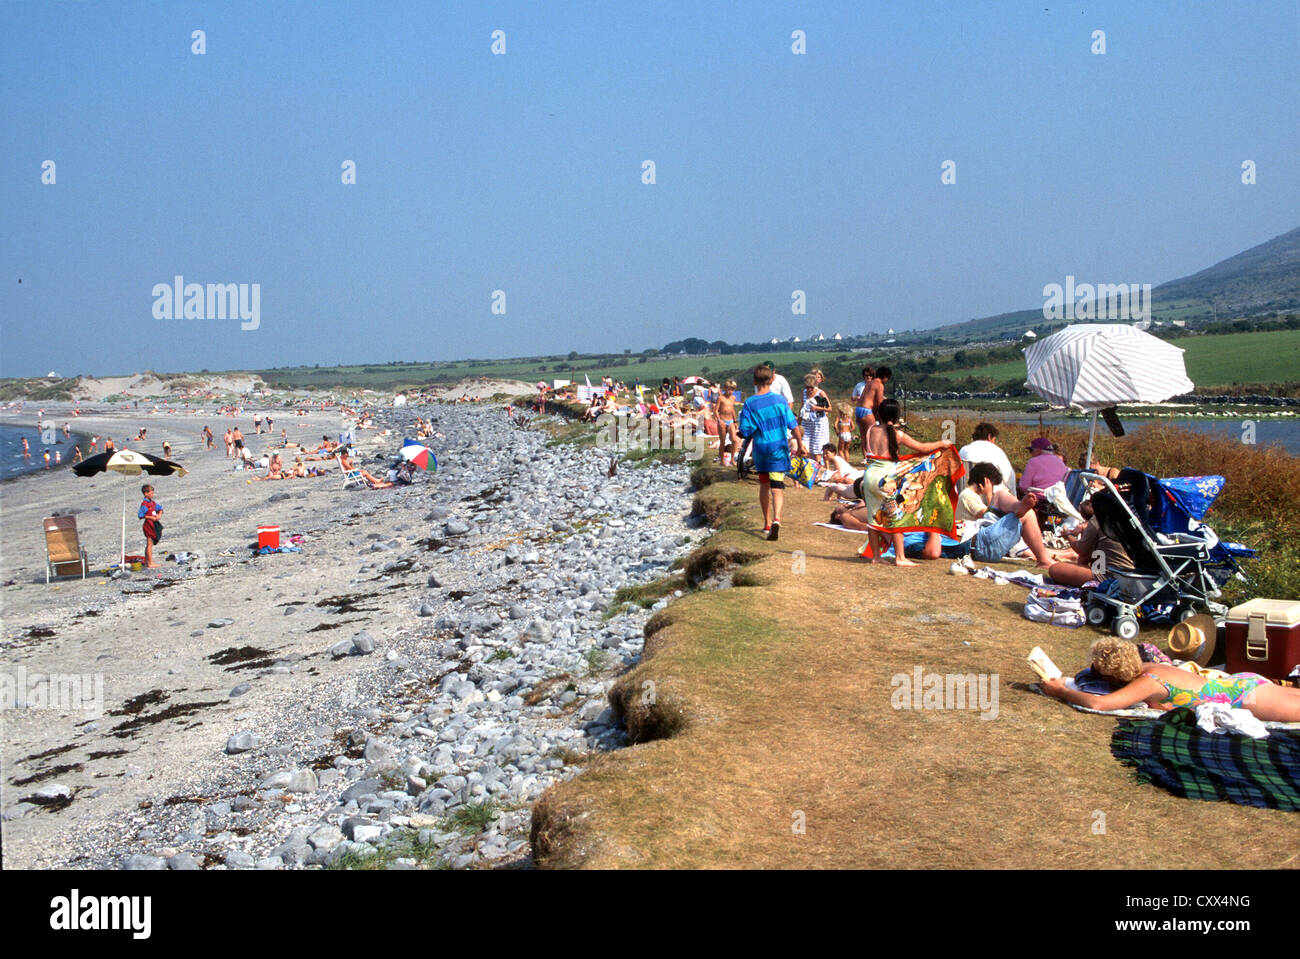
1263, 279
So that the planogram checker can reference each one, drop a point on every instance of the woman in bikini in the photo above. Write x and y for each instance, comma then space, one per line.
1168, 687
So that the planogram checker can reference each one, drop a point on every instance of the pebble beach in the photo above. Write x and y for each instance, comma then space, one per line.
405, 687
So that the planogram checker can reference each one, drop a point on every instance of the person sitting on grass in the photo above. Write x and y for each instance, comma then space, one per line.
1094, 553
766, 420
984, 491
1045, 466
984, 448
839, 475
1168, 687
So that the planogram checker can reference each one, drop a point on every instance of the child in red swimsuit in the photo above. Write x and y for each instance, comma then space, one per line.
150, 510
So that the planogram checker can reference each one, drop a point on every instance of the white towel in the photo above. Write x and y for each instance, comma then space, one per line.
1222, 718
843, 529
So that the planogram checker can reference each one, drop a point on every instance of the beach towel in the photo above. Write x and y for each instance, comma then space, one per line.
803, 470
1175, 754
1054, 606
1087, 682
917, 494
1148, 712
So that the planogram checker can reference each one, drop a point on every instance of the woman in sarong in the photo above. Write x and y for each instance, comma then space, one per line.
889, 487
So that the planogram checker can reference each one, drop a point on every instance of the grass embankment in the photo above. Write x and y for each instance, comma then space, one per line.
765, 735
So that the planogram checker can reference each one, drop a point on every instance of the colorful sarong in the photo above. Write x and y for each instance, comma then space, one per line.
1174, 753
917, 494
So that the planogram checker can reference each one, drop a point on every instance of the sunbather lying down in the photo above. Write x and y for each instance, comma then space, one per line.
1168, 687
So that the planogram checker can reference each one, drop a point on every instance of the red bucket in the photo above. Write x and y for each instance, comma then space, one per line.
268, 536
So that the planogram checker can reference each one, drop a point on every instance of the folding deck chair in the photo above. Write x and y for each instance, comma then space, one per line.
64, 554
353, 477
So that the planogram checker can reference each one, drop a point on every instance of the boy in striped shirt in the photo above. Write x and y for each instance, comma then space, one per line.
766, 420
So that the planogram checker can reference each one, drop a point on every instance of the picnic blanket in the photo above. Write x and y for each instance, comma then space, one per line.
1144, 712
843, 529
1174, 753
917, 494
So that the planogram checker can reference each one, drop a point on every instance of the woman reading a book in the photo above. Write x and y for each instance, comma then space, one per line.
1168, 687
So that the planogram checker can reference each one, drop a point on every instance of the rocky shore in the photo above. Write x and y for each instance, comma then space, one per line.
241, 730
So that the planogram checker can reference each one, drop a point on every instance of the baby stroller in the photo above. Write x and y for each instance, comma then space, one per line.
1177, 560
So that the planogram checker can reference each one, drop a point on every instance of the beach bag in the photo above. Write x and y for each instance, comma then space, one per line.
804, 470
1054, 606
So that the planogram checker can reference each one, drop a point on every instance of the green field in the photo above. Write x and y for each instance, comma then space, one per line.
626, 368
1213, 361
1269, 357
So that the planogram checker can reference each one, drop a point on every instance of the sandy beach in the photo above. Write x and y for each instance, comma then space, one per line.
153, 777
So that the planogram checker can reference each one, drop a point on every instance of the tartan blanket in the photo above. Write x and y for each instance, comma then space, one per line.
1173, 753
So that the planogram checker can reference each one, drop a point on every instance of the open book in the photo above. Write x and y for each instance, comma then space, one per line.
1042, 665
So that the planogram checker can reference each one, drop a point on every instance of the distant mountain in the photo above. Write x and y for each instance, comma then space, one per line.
1263, 279
1260, 280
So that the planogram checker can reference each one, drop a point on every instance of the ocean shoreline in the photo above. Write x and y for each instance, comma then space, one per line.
470, 648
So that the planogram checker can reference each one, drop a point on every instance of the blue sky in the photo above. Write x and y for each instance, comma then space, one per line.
522, 172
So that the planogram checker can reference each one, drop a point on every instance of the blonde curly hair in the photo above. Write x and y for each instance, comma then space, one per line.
1116, 659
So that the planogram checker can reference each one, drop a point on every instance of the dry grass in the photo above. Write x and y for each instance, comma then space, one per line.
780, 691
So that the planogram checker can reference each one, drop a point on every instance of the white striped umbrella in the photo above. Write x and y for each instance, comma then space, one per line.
1092, 366
128, 463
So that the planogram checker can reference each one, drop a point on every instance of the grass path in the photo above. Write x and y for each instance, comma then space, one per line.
782, 689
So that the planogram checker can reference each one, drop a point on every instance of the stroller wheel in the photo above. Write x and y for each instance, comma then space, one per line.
1097, 614
1183, 611
1125, 626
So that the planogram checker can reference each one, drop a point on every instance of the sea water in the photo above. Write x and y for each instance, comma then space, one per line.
1285, 431
12, 462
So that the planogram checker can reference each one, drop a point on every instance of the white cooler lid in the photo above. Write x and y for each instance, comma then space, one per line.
1276, 612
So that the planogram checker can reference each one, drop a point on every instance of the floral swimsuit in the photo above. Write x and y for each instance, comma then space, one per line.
1237, 691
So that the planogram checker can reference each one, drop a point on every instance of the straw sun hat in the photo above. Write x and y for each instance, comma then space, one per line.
1194, 639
